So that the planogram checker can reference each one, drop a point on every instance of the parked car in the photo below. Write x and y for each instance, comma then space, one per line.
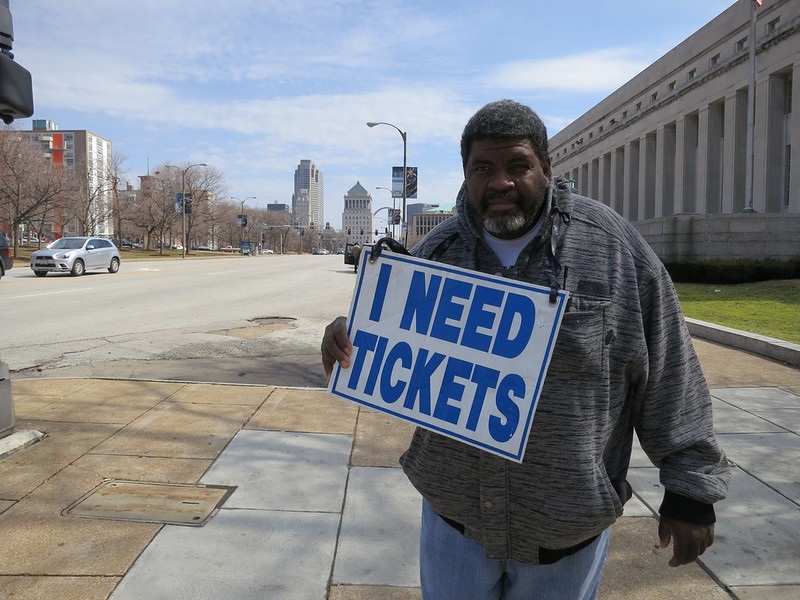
76, 255
6, 256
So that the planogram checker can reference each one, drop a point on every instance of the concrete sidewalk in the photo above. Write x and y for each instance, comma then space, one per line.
320, 509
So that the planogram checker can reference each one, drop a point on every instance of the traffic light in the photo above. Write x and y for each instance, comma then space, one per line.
348, 231
396, 219
376, 233
362, 231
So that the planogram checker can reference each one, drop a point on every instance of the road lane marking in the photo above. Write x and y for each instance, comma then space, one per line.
47, 294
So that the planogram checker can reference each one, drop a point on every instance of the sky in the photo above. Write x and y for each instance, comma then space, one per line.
252, 87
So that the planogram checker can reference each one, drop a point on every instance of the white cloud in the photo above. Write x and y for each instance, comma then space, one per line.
599, 70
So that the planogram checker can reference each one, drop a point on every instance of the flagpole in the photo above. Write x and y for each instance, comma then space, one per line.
751, 111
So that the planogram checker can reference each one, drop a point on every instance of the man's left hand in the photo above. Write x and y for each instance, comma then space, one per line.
689, 540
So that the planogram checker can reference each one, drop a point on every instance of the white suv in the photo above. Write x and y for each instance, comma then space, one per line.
76, 255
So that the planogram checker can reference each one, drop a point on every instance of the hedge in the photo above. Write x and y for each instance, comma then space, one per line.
733, 271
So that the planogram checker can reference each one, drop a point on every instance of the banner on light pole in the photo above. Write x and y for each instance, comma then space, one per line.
397, 182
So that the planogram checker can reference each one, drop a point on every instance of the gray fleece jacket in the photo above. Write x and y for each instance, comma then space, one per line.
623, 361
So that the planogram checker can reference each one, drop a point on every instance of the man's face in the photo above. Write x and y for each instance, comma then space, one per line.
506, 185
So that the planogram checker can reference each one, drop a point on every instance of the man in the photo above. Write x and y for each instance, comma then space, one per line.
623, 360
356, 252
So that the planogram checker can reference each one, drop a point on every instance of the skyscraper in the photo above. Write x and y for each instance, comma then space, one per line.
308, 200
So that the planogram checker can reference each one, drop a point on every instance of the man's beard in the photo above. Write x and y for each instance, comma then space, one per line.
508, 226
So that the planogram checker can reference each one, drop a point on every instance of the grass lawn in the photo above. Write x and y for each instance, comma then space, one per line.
770, 308
24, 254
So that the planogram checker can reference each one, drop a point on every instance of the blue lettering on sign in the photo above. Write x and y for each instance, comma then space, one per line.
420, 302
420, 384
372, 378
486, 379
403, 354
452, 390
450, 311
465, 386
502, 432
518, 309
365, 342
480, 318
436, 308
431, 385
380, 292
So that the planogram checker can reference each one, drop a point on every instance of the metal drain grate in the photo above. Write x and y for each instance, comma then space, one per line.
173, 504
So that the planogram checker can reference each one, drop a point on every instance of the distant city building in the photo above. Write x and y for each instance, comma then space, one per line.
668, 150
90, 157
308, 200
424, 220
357, 215
283, 212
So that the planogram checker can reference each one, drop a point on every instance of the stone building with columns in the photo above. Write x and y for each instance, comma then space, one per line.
669, 150
357, 215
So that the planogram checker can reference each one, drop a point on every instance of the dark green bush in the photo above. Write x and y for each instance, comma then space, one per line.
734, 270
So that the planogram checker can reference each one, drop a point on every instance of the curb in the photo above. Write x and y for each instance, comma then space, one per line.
762, 345
18, 440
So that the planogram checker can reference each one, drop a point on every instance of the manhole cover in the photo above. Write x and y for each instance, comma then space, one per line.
174, 504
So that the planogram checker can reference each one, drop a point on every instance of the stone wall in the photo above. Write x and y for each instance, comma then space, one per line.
705, 237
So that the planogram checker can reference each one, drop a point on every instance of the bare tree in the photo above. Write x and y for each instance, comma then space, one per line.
30, 186
144, 206
202, 187
205, 186
160, 207
121, 211
275, 229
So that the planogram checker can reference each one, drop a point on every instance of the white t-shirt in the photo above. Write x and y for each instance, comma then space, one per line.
508, 250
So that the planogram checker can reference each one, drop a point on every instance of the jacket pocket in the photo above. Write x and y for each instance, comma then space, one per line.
611, 504
581, 344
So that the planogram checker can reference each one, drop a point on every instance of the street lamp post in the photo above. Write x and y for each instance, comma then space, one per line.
389, 211
405, 151
183, 202
391, 220
241, 219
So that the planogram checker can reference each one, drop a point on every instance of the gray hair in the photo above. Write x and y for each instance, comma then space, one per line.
505, 119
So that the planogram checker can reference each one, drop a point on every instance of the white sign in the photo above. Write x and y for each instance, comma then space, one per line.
452, 350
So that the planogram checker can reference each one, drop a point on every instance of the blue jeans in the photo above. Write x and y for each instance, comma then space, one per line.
453, 566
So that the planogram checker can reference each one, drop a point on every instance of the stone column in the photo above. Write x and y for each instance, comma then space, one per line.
702, 160
680, 153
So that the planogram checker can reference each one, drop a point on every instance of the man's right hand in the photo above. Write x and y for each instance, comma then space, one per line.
336, 346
